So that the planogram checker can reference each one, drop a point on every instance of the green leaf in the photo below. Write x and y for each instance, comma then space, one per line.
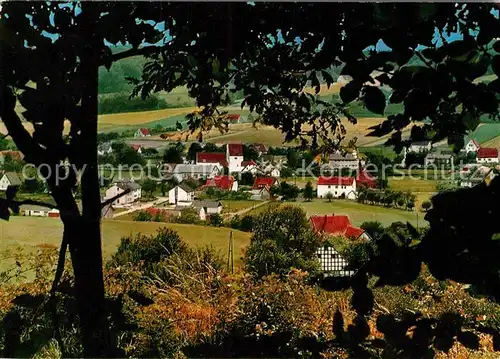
327, 77
350, 92
470, 121
315, 82
374, 99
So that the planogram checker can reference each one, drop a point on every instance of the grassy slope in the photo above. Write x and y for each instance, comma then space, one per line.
32, 231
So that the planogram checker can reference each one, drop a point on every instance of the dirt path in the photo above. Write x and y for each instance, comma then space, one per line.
245, 210
141, 207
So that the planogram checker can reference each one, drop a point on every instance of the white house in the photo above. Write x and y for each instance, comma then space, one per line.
438, 159
104, 149
207, 208
487, 155
349, 160
332, 264
184, 171
142, 132
234, 157
472, 146
339, 187
38, 211
119, 187
9, 179
420, 146
181, 194
249, 166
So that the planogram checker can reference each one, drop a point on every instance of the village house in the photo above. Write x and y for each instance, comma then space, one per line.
142, 132
137, 148
180, 195
363, 178
472, 146
233, 118
224, 183
261, 188
339, 226
339, 187
349, 160
211, 158
439, 159
420, 146
185, 171
38, 211
207, 208
260, 148
487, 155
249, 166
121, 186
9, 179
104, 149
234, 157
331, 262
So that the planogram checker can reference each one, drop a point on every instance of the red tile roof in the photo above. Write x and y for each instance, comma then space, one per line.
145, 131
210, 157
235, 149
136, 147
336, 225
261, 182
336, 181
487, 153
366, 179
233, 117
221, 182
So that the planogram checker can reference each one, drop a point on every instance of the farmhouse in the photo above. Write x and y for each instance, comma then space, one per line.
420, 146
339, 187
233, 118
184, 171
142, 132
338, 225
121, 186
472, 146
38, 211
225, 183
211, 158
181, 194
207, 208
249, 166
487, 155
365, 179
438, 159
349, 160
104, 149
234, 157
332, 264
261, 188
137, 148
9, 179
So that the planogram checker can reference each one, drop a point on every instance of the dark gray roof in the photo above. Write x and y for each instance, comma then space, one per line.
420, 143
207, 204
444, 156
13, 178
185, 187
124, 185
340, 157
32, 207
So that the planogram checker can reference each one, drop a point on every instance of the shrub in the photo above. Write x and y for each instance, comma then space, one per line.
189, 215
143, 216
215, 220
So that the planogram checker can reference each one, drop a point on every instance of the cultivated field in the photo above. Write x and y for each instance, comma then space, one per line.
486, 134
29, 232
359, 213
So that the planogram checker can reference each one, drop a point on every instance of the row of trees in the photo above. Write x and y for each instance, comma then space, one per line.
388, 197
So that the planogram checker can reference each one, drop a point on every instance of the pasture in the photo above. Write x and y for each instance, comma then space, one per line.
30, 232
486, 134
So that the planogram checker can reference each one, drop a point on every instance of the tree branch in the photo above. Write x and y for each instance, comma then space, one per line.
147, 50
23, 140
114, 198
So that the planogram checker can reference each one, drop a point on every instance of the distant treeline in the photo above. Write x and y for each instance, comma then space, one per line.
122, 103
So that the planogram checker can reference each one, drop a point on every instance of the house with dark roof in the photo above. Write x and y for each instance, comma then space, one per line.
38, 211
118, 187
224, 183
185, 171
472, 146
180, 195
207, 208
339, 187
142, 132
420, 146
487, 155
9, 179
261, 188
349, 160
